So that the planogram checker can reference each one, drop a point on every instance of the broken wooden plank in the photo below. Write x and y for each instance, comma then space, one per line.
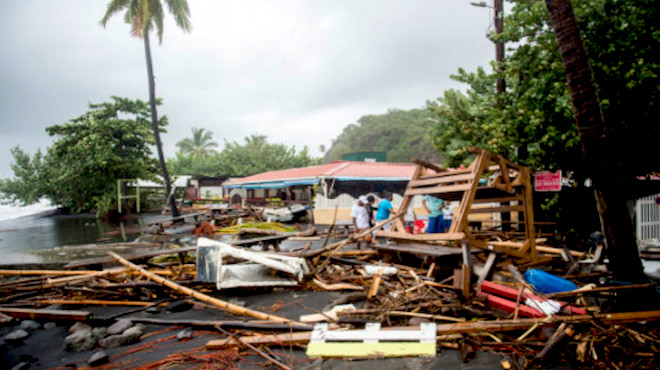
421, 237
235, 309
46, 314
375, 284
601, 289
486, 270
96, 302
46, 272
230, 324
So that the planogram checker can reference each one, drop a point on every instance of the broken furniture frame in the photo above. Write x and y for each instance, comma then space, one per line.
490, 179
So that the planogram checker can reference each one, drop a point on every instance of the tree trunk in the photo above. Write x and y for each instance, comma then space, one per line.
608, 181
154, 124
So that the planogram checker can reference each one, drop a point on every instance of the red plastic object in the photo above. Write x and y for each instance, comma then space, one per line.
511, 293
510, 306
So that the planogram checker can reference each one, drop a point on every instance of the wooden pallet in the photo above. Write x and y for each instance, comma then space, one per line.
490, 179
372, 342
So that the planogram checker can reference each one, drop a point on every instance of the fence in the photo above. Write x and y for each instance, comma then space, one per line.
647, 212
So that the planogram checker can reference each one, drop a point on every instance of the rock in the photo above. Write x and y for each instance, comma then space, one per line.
99, 357
134, 333
129, 336
78, 327
21, 366
184, 334
30, 325
81, 340
16, 335
99, 332
49, 325
119, 327
112, 341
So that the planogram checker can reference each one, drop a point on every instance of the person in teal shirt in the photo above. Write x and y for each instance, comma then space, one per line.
384, 210
434, 207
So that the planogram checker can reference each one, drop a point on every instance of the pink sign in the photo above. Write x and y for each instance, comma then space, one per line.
547, 181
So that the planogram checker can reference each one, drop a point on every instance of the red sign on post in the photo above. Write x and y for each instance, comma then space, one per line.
547, 181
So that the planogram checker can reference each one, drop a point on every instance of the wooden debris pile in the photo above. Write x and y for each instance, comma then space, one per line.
472, 297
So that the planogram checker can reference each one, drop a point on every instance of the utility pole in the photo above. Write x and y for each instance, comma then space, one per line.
498, 10
498, 18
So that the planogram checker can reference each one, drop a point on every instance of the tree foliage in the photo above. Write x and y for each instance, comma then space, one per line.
402, 134
90, 153
28, 184
253, 156
201, 143
623, 44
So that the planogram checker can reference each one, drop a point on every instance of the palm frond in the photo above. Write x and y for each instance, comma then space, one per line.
156, 11
114, 6
181, 13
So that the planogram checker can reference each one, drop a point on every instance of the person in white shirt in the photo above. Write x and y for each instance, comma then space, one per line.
360, 217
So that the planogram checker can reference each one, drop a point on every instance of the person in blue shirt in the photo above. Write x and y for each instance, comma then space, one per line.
384, 210
434, 207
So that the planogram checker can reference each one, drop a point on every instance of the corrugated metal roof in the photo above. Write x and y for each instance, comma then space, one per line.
383, 171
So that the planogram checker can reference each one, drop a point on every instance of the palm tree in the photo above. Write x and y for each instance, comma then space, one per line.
199, 145
144, 16
607, 178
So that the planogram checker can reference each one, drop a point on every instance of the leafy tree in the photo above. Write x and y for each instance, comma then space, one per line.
183, 164
200, 145
254, 156
91, 152
144, 16
28, 184
402, 134
621, 243
623, 47
258, 155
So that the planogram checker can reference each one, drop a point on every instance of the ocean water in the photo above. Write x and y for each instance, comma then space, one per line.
31, 234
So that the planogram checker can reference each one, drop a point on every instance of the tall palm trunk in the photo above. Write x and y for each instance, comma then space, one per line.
154, 125
608, 180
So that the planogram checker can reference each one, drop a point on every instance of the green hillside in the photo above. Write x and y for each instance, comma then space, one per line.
403, 134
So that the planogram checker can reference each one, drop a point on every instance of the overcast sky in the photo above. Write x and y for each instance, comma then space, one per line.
296, 71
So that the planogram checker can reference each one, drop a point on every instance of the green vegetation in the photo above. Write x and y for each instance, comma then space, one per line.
200, 145
403, 134
533, 122
89, 154
255, 155
144, 16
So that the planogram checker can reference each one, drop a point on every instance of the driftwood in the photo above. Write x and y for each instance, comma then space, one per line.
235, 309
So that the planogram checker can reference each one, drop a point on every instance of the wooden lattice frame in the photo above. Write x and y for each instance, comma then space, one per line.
508, 182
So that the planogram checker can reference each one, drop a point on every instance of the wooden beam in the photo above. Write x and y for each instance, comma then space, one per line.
491, 326
428, 165
421, 237
460, 221
442, 180
235, 309
499, 209
46, 314
440, 189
